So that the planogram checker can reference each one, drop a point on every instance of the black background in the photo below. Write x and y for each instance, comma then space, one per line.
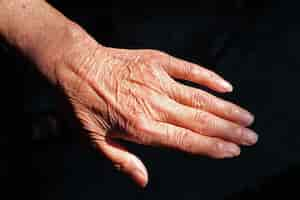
253, 45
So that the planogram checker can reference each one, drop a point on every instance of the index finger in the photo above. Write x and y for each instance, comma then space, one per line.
185, 70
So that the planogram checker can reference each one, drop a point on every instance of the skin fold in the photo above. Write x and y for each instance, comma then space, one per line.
127, 94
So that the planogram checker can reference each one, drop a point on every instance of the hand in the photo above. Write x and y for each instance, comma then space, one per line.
130, 95
127, 94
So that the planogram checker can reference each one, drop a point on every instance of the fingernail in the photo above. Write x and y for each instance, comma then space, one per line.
249, 136
230, 150
140, 171
226, 85
245, 117
140, 177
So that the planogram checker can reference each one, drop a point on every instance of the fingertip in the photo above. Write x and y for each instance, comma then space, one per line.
140, 174
246, 118
226, 86
220, 85
125, 162
251, 119
250, 137
229, 150
222, 89
140, 178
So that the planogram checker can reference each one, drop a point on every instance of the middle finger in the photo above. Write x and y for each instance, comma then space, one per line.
206, 123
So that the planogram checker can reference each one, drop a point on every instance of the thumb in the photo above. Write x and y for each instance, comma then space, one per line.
124, 160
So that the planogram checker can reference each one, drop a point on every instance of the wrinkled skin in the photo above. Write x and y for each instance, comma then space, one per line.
131, 95
127, 94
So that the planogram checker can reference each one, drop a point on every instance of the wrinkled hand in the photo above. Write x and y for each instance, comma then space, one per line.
131, 95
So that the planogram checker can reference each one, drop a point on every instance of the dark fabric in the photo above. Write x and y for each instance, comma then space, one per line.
255, 47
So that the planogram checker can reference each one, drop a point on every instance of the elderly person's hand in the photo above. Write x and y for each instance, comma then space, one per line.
131, 95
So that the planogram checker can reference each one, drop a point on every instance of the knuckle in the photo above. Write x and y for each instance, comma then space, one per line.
213, 125
187, 70
160, 53
140, 124
150, 51
208, 125
154, 62
174, 89
154, 53
169, 134
198, 116
209, 100
199, 100
230, 109
238, 132
202, 118
181, 139
216, 149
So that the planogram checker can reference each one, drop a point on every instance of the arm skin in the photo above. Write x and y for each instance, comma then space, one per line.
127, 94
35, 28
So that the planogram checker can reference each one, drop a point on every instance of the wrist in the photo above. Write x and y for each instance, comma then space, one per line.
57, 53
40, 32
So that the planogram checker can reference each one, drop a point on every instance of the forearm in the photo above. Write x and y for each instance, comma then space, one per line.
37, 30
